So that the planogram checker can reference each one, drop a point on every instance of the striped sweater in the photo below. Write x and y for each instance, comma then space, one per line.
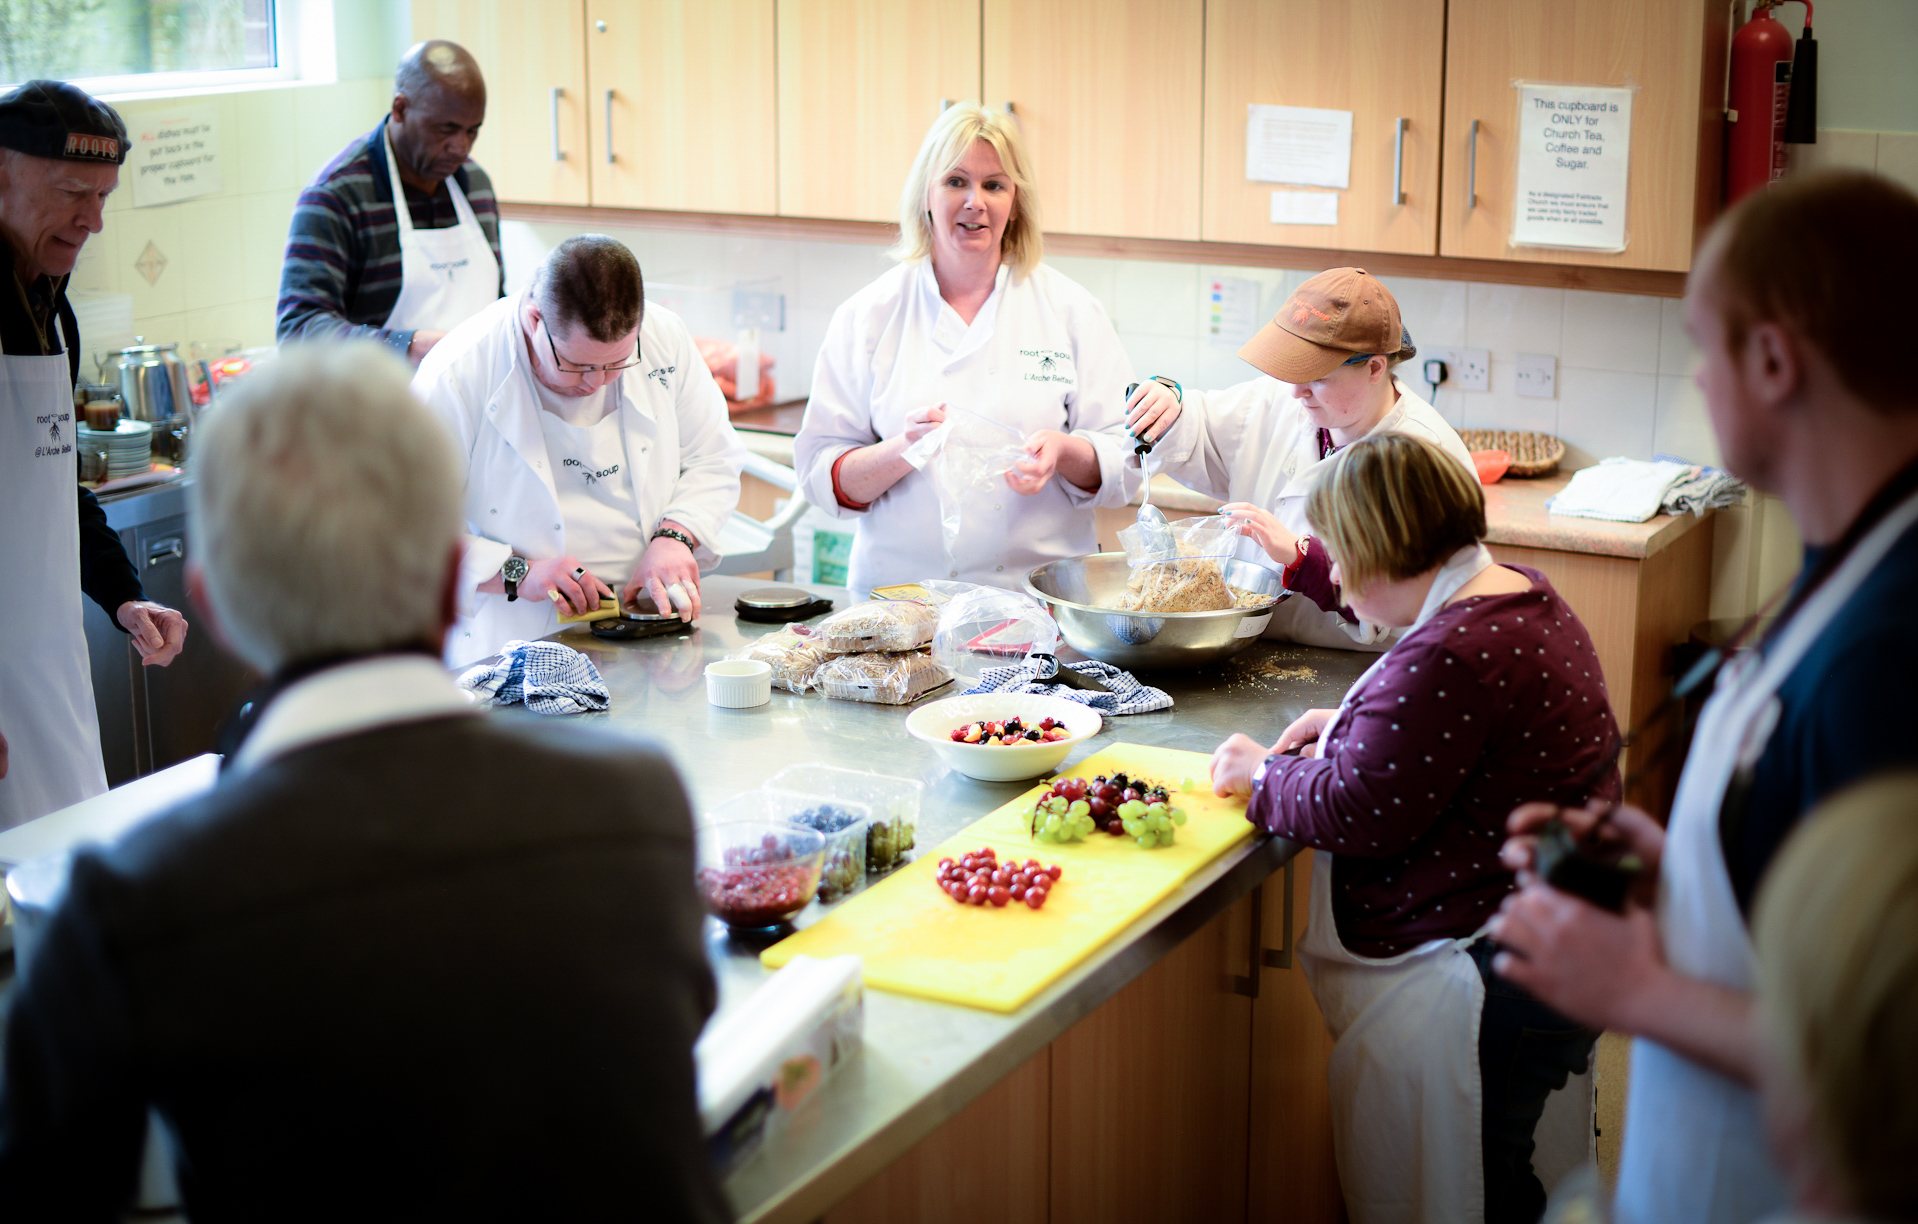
342, 272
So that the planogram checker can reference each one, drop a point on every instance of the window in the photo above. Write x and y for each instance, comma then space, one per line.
119, 46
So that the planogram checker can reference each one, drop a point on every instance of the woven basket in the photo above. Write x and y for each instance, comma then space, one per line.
1533, 454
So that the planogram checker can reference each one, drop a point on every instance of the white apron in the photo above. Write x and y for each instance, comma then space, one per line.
446, 275
1695, 1148
46, 687
1404, 1071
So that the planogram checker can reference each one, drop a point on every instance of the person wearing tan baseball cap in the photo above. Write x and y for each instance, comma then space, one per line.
1326, 362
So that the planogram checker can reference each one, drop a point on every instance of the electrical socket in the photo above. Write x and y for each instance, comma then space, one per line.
1470, 369
1537, 375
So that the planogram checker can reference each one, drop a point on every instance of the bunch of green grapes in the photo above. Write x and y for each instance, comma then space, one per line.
1150, 820
1062, 813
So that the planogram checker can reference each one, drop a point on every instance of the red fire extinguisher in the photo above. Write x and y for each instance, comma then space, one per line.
1773, 92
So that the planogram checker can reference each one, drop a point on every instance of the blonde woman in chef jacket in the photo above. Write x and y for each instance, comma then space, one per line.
599, 455
1328, 359
970, 319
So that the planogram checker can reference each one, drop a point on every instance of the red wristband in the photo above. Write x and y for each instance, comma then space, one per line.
839, 493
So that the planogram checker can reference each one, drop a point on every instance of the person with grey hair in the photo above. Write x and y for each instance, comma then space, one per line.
60, 156
598, 451
315, 974
397, 238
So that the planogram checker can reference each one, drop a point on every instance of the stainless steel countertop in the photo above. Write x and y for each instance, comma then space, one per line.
923, 1062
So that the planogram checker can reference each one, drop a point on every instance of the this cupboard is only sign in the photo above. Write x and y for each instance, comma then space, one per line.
1574, 157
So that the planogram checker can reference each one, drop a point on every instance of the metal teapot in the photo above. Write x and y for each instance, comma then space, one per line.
152, 380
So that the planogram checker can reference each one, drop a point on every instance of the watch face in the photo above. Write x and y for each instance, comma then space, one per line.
514, 570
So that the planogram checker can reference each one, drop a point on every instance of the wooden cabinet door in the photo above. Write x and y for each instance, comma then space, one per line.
1383, 60
533, 55
1109, 96
1672, 52
1292, 1175
860, 81
681, 110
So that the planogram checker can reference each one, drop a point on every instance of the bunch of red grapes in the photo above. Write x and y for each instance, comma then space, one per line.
979, 878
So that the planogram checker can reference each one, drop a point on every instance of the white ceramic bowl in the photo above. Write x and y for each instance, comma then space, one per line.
934, 724
739, 684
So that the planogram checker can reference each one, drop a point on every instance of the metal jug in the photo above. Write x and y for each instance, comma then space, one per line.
152, 380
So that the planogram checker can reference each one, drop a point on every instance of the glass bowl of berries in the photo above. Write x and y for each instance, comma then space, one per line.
754, 874
1003, 737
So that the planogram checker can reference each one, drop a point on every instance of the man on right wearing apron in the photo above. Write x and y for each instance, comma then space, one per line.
1798, 301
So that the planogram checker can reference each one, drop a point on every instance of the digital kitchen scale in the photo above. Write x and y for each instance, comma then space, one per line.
779, 605
638, 619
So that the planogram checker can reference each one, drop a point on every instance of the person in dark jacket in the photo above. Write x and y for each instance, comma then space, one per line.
383, 970
60, 157
356, 265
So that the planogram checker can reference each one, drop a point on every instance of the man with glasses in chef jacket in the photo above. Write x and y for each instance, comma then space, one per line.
599, 453
357, 265
60, 156
1804, 406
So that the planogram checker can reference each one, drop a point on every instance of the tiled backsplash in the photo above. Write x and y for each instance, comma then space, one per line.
1624, 384
223, 251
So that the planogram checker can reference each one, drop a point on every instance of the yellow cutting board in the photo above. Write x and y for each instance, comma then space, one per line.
1213, 825
914, 939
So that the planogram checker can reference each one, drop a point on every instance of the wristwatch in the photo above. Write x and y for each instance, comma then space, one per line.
513, 573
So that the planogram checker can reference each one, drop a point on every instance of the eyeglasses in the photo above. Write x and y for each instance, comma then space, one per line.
567, 367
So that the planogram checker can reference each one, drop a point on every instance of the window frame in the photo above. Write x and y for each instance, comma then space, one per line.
303, 48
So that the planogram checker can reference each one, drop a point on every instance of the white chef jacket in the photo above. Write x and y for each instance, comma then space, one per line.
1040, 354
684, 455
1254, 443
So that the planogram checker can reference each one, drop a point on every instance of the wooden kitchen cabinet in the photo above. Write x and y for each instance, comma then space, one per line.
1674, 53
1292, 1174
1108, 94
860, 81
682, 101
533, 56
1383, 60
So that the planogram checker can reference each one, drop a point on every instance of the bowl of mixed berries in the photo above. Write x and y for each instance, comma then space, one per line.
1003, 737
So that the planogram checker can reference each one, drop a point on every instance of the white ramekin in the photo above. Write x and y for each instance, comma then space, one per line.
739, 683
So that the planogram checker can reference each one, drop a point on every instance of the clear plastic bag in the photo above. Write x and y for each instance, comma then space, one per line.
981, 627
966, 458
888, 679
794, 653
878, 625
1190, 580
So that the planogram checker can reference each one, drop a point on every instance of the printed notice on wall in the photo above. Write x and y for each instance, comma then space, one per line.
1305, 208
1298, 144
1231, 311
1574, 148
175, 155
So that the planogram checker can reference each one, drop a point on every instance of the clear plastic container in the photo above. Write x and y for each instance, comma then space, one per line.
894, 803
840, 822
755, 872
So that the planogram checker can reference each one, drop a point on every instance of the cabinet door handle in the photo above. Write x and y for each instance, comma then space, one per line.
1281, 956
1248, 983
559, 154
610, 159
1398, 162
173, 548
1471, 169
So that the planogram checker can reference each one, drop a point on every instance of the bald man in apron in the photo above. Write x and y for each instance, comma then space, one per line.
60, 153
1805, 405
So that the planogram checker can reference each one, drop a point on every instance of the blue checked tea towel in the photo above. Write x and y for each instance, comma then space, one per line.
1128, 696
548, 677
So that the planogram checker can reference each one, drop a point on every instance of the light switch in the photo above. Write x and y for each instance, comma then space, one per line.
1537, 375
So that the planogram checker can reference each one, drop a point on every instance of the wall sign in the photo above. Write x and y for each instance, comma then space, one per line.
175, 155
1298, 144
1574, 154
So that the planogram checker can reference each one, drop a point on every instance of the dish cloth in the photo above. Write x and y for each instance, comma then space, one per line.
1622, 490
1128, 696
1706, 488
547, 677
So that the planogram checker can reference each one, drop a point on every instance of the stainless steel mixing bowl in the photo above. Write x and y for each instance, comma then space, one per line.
1080, 591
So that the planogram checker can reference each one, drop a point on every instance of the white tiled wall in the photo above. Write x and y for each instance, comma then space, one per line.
223, 252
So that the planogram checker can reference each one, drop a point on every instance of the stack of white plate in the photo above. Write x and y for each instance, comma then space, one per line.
129, 447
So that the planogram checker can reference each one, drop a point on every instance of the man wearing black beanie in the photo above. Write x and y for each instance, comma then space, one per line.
60, 157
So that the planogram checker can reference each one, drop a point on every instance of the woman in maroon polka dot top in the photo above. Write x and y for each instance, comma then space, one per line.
1492, 697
